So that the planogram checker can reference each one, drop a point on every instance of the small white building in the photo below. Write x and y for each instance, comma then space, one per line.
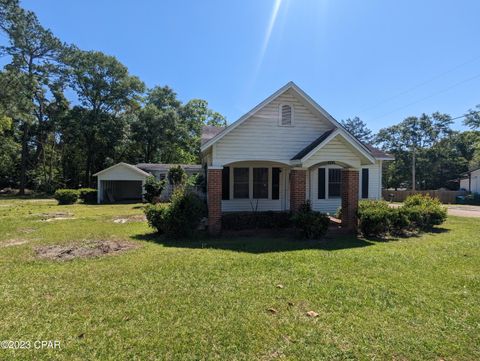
470, 181
124, 182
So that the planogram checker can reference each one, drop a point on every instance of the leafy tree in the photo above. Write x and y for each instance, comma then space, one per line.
177, 176
472, 119
35, 60
358, 128
153, 188
105, 90
413, 136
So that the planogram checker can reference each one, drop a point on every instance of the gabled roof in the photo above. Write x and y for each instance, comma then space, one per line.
166, 167
378, 153
289, 86
324, 139
313, 145
122, 164
209, 131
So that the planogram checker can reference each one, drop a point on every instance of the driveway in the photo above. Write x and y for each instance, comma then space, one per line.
459, 210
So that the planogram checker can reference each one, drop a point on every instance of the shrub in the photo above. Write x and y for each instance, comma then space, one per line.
374, 218
310, 224
177, 176
88, 195
424, 211
399, 221
153, 188
66, 196
156, 216
178, 219
248, 220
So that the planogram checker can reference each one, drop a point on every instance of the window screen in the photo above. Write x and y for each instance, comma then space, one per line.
240, 182
260, 183
334, 182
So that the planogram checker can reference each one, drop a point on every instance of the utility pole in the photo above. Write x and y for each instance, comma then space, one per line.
413, 169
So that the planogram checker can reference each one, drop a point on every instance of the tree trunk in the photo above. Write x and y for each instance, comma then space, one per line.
23, 161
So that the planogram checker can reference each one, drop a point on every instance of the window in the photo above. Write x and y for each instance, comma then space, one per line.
286, 115
321, 183
260, 183
275, 183
334, 182
240, 183
365, 183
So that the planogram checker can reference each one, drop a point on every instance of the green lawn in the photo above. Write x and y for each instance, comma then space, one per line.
408, 299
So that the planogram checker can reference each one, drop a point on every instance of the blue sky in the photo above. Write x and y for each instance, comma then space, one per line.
380, 60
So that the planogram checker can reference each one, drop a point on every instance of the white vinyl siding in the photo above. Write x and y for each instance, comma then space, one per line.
260, 137
374, 181
330, 205
337, 150
327, 205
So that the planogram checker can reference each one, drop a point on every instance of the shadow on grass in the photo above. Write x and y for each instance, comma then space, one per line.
260, 244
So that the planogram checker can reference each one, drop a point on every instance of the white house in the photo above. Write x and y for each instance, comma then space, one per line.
283, 152
470, 181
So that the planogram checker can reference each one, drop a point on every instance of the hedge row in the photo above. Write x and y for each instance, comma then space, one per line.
247, 220
70, 196
308, 223
418, 213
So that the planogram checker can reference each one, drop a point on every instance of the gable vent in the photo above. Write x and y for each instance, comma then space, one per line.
286, 114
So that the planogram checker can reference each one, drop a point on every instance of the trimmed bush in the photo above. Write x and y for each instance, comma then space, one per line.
374, 218
88, 195
66, 196
178, 219
424, 211
153, 188
310, 224
248, 220
419, 213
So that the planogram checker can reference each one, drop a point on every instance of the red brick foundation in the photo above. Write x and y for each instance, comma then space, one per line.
298, 179
349, 199
214, 200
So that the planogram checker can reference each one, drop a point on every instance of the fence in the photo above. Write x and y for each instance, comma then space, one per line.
443, 195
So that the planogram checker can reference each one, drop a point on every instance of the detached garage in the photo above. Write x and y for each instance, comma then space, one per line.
121, 182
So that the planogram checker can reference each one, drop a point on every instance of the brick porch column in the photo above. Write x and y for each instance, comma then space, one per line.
349, 199
214, 200
298, 185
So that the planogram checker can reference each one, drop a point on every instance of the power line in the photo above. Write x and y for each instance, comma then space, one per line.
431, 95
465, 115
421, 84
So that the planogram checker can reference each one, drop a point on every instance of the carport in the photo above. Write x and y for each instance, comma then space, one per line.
121, 182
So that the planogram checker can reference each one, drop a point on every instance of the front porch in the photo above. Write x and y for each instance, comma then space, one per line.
252, 186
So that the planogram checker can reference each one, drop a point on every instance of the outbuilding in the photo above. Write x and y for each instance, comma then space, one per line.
121, 182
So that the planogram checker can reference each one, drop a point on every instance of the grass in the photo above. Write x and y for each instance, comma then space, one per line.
408, 299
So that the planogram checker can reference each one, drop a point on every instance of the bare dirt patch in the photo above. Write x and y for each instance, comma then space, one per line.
27, 230
13, 242
55, 216
85, 249
129, 219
